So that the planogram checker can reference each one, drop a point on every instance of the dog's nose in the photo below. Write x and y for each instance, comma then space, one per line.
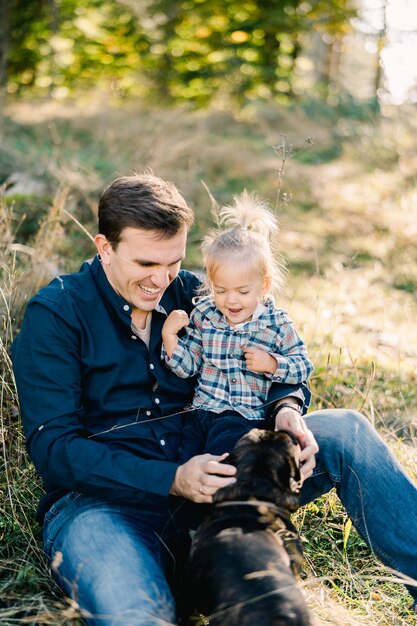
295, 485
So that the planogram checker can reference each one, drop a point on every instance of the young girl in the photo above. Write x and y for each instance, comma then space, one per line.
236, 339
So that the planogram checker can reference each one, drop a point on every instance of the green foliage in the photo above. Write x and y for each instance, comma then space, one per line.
321, 155
188, 50
68, 44
28, 212
254, 45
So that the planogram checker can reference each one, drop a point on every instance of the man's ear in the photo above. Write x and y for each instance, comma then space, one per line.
103, 247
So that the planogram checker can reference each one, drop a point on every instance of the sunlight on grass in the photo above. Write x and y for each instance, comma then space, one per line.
348, 230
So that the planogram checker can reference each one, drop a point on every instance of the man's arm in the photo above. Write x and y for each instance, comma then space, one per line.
49, 377
286, 405
282, 392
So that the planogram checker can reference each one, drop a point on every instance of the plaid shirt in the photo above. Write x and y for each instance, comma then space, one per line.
213, 349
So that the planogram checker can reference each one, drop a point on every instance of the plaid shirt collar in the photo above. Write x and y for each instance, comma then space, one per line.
262, 317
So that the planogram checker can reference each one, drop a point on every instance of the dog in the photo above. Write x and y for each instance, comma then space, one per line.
245, 553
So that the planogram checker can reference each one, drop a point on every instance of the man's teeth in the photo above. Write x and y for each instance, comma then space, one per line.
149, 290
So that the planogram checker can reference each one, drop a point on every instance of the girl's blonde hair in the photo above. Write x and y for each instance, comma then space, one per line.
245, 234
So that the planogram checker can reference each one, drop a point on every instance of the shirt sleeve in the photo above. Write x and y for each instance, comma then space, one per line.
293, 363
278, 391
48, 373
187, 358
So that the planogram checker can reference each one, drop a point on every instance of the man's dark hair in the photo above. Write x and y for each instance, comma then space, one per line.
142, 201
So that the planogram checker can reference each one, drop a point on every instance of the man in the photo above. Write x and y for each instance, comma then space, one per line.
103, 418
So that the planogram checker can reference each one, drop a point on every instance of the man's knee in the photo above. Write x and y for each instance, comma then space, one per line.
341, 432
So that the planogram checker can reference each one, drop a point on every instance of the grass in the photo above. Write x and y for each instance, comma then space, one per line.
348, 215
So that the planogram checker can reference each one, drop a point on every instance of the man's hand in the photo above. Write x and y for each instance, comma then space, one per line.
200, 477
258, 360
291, 420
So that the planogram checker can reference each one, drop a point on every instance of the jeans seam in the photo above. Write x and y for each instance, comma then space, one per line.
318, 471
379, 553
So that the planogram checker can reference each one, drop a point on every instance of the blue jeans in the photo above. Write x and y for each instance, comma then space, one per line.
110, 558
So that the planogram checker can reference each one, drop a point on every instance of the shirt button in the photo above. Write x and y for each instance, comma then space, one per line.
157, 401
126, 307
233, 380
148, 413
152, 366
134, 337
162, 442
278, 377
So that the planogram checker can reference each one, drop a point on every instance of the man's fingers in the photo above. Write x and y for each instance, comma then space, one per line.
310, 450
306, 470
212, 464
308, 467
211, 481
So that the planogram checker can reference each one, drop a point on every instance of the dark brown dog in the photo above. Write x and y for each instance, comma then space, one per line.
244, 554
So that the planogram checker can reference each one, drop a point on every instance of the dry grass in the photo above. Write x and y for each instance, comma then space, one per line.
348, 234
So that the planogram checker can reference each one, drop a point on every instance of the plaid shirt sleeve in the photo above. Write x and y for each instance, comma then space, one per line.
293, 363
186, 360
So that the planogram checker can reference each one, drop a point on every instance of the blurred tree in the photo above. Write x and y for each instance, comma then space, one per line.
190, 50
241, 48
4, 49
59, 45
28, 25
381, 41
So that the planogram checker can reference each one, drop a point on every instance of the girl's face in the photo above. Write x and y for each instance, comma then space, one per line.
237, 291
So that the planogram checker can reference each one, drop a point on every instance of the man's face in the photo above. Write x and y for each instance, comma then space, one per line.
142, 265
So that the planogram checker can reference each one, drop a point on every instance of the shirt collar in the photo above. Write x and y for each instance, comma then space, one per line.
260, 309
262, 313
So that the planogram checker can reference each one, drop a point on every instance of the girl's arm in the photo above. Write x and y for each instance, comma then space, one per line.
288, 362
294, 364
175, 321
182, 355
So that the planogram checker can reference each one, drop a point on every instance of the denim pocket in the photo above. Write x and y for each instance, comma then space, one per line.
54, 521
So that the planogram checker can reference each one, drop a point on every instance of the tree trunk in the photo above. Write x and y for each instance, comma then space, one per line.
380, 44
4, 51
54, 21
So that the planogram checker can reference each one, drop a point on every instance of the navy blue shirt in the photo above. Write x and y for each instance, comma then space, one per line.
102, 414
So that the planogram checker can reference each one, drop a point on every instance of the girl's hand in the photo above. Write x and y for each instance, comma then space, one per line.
258, 360
175, 321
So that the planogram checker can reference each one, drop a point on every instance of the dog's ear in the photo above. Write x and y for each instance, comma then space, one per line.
295, 482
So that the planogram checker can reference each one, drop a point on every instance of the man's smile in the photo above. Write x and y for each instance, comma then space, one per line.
151, 291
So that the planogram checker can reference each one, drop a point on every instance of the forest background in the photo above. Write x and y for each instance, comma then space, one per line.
310, 104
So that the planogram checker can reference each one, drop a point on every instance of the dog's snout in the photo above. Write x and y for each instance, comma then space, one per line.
295, 485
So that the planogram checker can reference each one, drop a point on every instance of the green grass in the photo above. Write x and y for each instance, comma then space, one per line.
348, 232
